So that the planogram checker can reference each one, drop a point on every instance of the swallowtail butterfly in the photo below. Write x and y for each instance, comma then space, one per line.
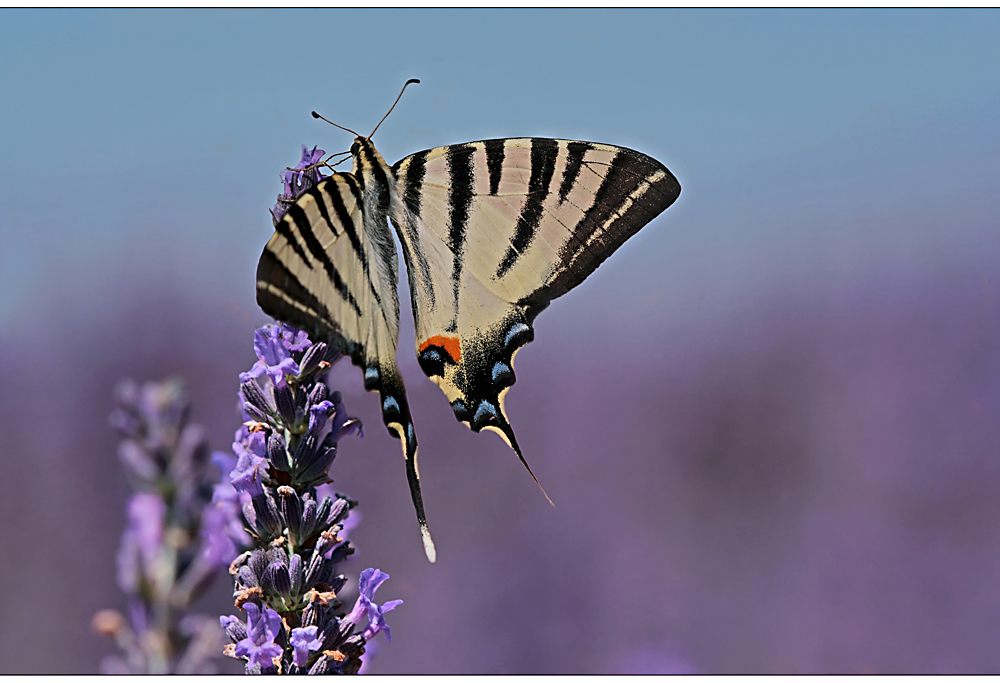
491, 231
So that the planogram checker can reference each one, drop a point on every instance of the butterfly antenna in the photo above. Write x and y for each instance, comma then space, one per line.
317, 116
412, 80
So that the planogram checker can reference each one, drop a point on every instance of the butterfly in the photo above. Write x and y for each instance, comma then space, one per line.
491, 232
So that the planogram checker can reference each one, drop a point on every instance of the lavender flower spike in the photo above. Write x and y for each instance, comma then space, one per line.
297, 545
166, 557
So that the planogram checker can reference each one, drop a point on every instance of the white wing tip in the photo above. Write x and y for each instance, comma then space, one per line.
429, 548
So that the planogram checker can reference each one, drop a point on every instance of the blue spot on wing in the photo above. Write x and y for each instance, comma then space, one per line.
371, 378
503, 375
461, 411
515, 332
485, 408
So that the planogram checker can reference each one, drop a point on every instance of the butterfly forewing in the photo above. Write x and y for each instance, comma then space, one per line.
316, 273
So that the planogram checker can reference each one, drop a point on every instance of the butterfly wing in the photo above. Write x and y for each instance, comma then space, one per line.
493, 231
330, 269
315, 273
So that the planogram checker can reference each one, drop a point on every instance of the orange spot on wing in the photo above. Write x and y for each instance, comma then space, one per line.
449, 344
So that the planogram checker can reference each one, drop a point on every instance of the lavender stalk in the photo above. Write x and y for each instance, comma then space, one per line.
165, 559
288, 581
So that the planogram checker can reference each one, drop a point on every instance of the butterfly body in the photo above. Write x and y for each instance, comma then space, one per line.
491, 232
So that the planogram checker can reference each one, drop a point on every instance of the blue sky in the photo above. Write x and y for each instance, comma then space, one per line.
158, 135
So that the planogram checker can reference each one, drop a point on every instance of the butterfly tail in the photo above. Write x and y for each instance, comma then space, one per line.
396, 416
501, 426
413, 478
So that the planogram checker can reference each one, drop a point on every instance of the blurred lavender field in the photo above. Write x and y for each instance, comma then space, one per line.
770, 423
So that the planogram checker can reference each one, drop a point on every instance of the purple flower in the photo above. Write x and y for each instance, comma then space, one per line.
273, 355
318, 415
293, 339
141, 541
145, 522
223, 492
250, 464
343, 425
303, 640
221, 526
259, 646
369, 582
294, 181
298, 182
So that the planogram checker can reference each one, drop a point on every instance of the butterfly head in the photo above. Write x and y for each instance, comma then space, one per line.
366, 156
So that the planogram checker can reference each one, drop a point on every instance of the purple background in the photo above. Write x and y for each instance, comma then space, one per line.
770, 424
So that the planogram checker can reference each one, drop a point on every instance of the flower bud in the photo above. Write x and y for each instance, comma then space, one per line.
285, 403
246, 578
321, 666
323, 511
318, 393
305, 451
312, 359
241, 560
319, 462
291, 510
337, 582
258, 562
234, 628
254, 414
353, 646
340, 553
276, 453
254, 395
338, 512
276, 579
327, 540
267, 515
308, 524
296, 574
314, 570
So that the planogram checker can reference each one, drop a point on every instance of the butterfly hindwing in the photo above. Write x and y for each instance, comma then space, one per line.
492, 231
330, 269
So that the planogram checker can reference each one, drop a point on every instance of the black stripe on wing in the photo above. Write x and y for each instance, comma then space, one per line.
543, 164
621, 190
304, 229
494, 162
330, 191
281, 295
411, 184
459, 204
571, 171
